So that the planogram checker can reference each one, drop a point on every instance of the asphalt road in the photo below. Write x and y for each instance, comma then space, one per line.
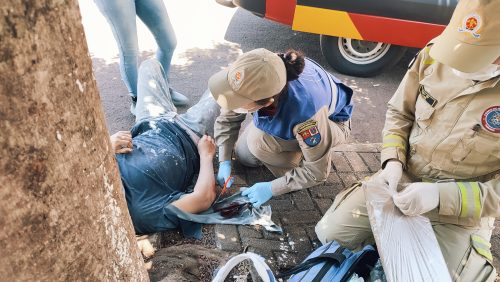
209, 38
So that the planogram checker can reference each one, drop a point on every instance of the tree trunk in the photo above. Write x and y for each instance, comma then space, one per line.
63, 214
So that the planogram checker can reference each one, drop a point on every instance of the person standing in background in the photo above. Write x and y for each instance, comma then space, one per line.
120, 15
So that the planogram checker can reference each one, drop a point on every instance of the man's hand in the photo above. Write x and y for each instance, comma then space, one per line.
121, 142
392, 174
206, 147
417, 198
259, 193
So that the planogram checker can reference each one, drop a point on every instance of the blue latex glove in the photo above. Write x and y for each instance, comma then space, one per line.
259, 193
224, 173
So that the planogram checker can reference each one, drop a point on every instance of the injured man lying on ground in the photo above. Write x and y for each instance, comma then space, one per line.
160, 158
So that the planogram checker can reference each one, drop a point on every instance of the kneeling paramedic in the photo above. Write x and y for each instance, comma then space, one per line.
300, 112
442, 139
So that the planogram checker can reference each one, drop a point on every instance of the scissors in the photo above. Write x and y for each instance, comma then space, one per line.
224, 189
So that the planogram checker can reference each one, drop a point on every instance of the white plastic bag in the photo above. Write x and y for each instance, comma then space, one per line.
407, 245
260, 265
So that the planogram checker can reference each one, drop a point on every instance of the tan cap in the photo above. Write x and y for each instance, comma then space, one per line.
471, 41
255, 75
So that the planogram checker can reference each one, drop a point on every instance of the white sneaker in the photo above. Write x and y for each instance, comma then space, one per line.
178, 99
132, 106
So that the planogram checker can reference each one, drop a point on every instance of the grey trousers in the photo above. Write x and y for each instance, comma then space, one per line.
154, 100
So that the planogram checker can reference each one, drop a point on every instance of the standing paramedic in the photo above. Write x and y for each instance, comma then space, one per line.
441, 139
300, 112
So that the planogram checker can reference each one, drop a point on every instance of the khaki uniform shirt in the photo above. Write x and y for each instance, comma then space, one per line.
437, 125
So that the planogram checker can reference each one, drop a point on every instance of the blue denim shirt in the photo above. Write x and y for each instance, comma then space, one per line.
157, 172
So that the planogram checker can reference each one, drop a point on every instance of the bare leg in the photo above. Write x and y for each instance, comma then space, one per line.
204, 191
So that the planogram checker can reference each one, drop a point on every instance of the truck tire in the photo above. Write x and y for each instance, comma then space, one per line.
358, 57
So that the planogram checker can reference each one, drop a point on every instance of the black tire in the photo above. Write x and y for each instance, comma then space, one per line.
227, 3
384, 55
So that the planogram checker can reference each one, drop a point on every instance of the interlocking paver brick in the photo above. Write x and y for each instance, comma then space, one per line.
323, 204
267, 254
287, 260
302, 200
273, 235
356, 162
496, 231
298, 240
227, 238
333, 178
281, 205
259, 174
348, 179
312, 236
339, 162
325, 191
250, 231
371, 160
495, 251
267, 245
299, 217
357, 147
282, 197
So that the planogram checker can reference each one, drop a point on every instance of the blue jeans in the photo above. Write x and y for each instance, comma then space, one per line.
154, 100
121, 17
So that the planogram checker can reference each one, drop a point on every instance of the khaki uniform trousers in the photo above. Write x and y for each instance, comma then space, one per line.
278, 155
347, 223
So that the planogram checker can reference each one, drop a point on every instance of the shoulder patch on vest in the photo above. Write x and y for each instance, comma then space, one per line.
309, 132
491, 119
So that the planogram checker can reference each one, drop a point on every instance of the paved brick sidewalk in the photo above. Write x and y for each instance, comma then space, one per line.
298, 212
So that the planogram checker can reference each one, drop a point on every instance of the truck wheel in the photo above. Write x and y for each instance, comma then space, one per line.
358, 57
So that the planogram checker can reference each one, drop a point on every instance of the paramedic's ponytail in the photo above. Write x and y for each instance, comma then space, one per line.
294, 63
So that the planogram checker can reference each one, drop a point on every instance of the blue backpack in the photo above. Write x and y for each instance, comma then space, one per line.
331, 262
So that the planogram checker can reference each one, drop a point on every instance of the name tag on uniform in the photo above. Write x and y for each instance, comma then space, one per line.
427, 97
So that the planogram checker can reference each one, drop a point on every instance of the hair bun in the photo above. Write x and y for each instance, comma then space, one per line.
294, 63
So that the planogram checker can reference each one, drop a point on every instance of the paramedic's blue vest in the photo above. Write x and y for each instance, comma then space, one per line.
304, 98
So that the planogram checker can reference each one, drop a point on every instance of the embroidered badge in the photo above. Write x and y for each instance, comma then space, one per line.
236, 79
471, 24
491, 119
427, 97
309, 132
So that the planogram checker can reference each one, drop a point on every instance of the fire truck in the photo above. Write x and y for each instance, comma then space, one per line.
359, 37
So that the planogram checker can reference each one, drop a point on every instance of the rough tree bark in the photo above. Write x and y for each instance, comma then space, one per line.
63, 215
